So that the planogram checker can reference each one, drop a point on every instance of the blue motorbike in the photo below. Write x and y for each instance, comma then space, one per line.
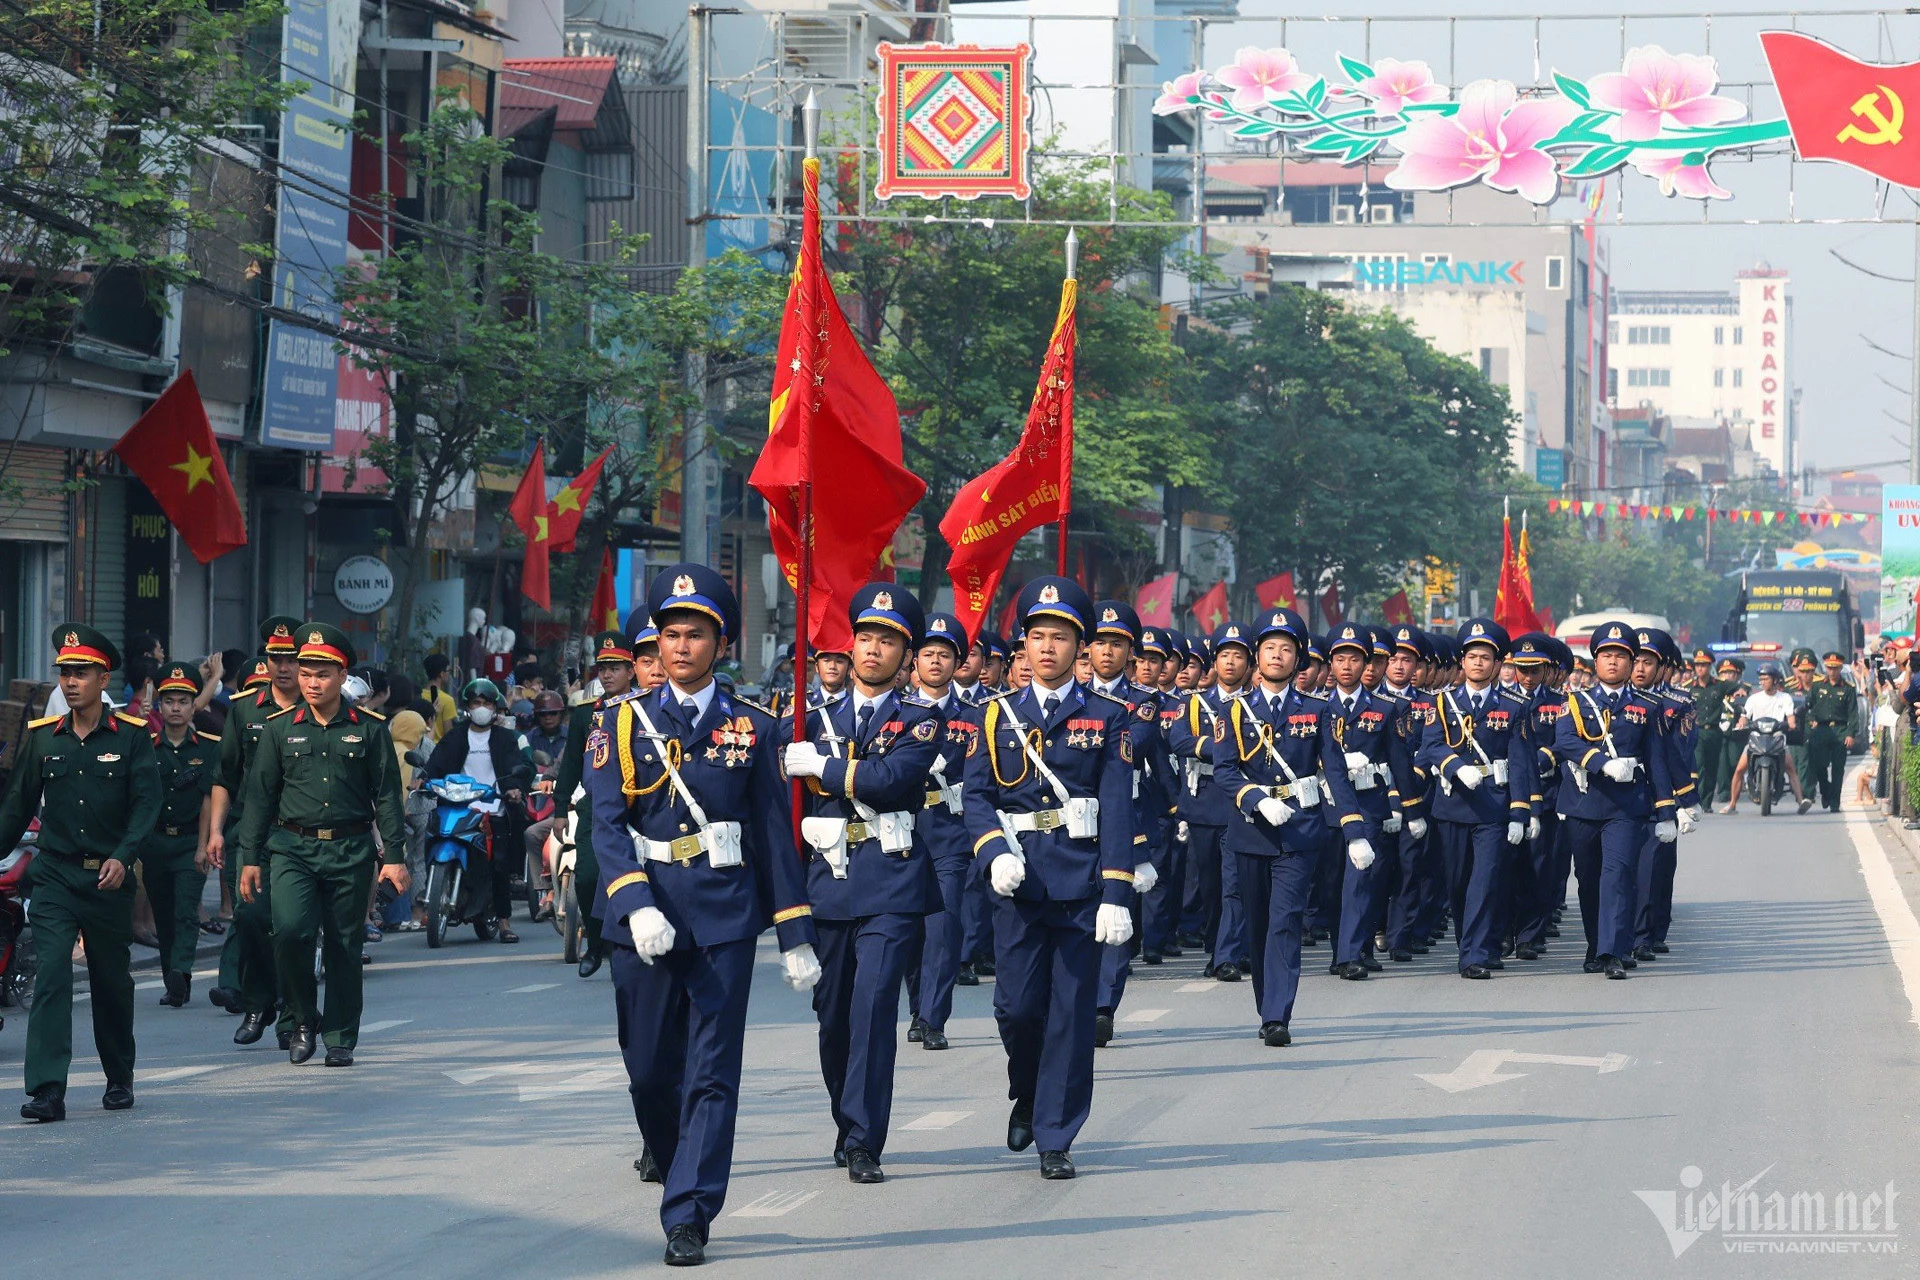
459, 871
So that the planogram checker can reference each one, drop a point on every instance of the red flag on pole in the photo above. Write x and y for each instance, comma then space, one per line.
1512, 603
1010, 615
172, 449
605, 615
1154, 601
569, 505
1028, 488
1330, 612
1211, 608
530, 495
1276, 592
534, 583
1397, 610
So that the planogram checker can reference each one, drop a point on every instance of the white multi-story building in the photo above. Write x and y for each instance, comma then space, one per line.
1705, 357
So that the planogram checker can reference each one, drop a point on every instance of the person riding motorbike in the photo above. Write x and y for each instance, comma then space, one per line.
1771, 702
483, 746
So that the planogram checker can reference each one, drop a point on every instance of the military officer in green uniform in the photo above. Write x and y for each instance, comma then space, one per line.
1800, 739
174, 857
1733, 705
1832, 726
1709, 699
247, 985
94, 770
323, 779
613, 668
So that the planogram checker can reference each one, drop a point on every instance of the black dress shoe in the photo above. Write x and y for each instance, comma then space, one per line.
1526, 953
252, 1027
1615, 969
647, 1167
1150, 957
339, 1056
1553, 931
1226, 973
179, 986
839, 1156
863, 1168
1335, 968
1020, 1127
932, 1039
1102, 1030
1661, 948
1172, 953
301, 1045
1056, 1166
589, 964
1400, 955
1311, 938
1496, 964
1352, 971
118, 1097
684, 1248
1476, 972
966, 977
1275, 1035
48, 1103
1370, 964
916, 1031
224, 998
983, 968
1420, 951
1628, 962
1592, 966
1189, 940
284, 1039
1644, 954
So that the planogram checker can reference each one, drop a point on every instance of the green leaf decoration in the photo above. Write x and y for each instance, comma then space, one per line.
1573, 90
1355, 69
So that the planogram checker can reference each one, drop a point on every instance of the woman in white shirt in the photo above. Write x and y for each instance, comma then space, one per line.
1770, 703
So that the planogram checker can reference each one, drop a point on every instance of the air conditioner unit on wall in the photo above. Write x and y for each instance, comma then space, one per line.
1343, 213
1380, 213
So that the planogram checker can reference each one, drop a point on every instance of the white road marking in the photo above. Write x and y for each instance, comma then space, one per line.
1482, 1067
588, 1082
474, 1075
176, 1073
774, 1204
1896, 915
148, 986
531, 987
938, 1120
1197, 986
387, 1024
1146, 1015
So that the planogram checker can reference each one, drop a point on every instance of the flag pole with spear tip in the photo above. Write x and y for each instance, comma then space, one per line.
809, 243
1066, 443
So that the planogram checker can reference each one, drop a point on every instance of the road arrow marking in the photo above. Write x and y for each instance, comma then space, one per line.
1146, 1015
938, 1120
1482, 1067
531, 987
474, 1075
587, 1082
388, 1024
774, 1204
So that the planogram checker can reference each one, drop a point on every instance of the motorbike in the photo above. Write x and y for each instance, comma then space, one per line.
537, 877
1766, 761
459, 880
568, 919
16, 946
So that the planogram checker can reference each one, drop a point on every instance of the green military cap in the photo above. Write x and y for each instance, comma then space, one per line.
322, 642
1702, 655
76, 644
278, 636
256, 675
1734, 665
178, 677
1833, 656
1802, 654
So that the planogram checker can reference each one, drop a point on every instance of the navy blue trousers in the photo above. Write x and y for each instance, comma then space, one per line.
1658, 862
682, 1021
1406, 919
1475, 855
1116, 965
1230, 943
1276, 891
1047, 967
940, 955
1160, 913
1535, 891
1363, 894
1606, 858
1200, 895
1323, 911
976, 919
863, 965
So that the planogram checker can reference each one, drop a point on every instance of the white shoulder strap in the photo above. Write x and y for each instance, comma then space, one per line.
1020, 731
679, 783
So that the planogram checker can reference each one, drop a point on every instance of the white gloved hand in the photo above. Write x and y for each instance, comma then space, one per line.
803, 967
1357, 760
1533, 828
1686, 820
652, 935
1392, 823
1470, 776
1006, 873
1666, 831
1180, 832
1360, 853
1112, 925
1417, 828
1697, 814
804, 760
1620, 770
1144, 877
1275, 810
1516, 832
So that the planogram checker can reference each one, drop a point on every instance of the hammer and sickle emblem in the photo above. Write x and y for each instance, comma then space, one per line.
1884, 129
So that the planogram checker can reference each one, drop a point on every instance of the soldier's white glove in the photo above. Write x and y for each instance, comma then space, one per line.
1144, 877
1470, 776
803, 967
804, 760
1112, 925
1696, 812
1360, 853
1006, 873
1357, 760
1275, 810
1620, 770
1666, 831
1180, 832
652, 935
1516, 832
1417, 828
1533, 828
1686, 820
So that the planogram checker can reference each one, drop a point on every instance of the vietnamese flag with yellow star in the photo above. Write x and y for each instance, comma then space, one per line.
529, 512
1154, 601
173, 451
569, 505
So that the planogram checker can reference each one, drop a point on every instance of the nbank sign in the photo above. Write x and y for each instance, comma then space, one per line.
1391, 274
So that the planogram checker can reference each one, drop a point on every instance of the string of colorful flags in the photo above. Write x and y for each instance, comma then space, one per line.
1735, 515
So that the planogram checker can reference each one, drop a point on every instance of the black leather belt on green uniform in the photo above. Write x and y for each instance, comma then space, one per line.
86, 862
182, 830
341, 832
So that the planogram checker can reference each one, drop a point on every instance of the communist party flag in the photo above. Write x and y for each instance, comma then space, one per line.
569, 505
1211, 608
1330, 605
1840, 108
1154, 601
1397, 610
1276, 592
829, 404
529, 512
172, 449
1032, 486
1512, 603
605, 613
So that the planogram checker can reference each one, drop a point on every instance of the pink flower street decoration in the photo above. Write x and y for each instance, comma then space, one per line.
1494, 138
1258, 76
1659, 90
1395, 84
1174, 94
1678, 177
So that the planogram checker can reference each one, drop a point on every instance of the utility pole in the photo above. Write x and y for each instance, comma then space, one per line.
1913, 408
698, 478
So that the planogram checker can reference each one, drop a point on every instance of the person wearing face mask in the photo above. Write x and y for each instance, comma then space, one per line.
484, 746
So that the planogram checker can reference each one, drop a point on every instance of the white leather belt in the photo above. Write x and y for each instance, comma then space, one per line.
1369, 776
683, 850
858, 831
1042, 820
948, 796
1289, 790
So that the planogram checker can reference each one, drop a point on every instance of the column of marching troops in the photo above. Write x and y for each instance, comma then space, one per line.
1129, 794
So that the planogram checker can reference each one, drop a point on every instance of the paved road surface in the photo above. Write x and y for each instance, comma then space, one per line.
487, 1131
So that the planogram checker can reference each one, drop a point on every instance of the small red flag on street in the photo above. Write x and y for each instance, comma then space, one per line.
1330, 612
1211, 608
530, 495
1397, 610
569, 505
1276, 592
605, 615
173, 452
1154, 601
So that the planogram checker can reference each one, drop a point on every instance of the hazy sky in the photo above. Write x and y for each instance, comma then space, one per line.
1845, 406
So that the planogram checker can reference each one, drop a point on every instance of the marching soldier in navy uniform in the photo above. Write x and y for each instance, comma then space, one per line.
1323, 903
1115, 634
175, 855
1477, 747
697, 859
941, 826
1160, 905
1608, 741
1049, 804
1377, 766
613, 667
1406, 668
870, 878
91, 778
1279, 765
1205, 810
976, 906
1533, 891
1653, 669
